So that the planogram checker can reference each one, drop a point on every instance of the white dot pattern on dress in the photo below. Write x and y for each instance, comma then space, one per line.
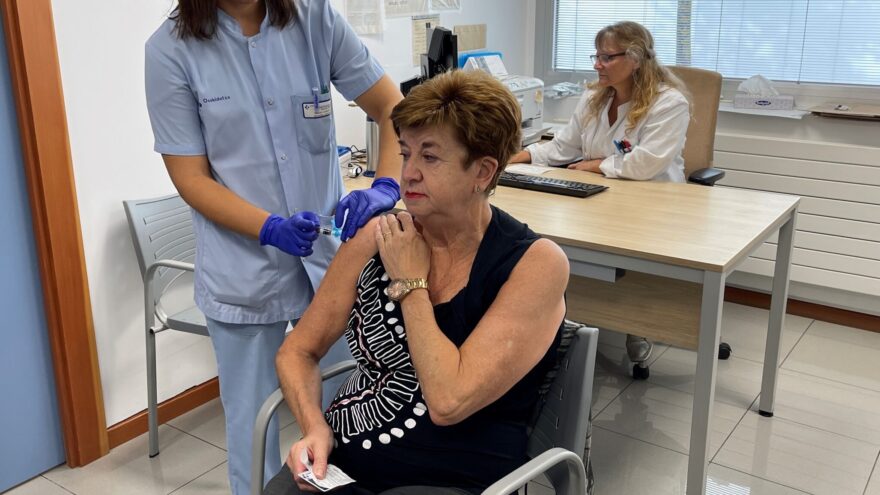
385, 438
367, 444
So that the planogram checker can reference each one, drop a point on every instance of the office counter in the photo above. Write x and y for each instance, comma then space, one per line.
651, 259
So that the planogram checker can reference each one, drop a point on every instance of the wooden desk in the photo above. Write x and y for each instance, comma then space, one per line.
678, 243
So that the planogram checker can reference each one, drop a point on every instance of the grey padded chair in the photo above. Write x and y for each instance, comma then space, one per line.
161, 229
557, 441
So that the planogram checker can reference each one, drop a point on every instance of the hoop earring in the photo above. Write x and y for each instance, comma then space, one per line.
477, 189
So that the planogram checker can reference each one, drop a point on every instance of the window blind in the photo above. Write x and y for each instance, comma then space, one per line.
812, 41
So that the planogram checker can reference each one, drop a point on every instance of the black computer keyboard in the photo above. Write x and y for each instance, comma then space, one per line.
546, 184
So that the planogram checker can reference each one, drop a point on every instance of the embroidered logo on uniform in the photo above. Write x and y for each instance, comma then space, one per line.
205, 101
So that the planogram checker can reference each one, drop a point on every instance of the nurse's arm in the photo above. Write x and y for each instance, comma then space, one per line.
378, 102
320, 327
192, 177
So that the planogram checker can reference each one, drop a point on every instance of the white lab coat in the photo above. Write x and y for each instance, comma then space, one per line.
656, 141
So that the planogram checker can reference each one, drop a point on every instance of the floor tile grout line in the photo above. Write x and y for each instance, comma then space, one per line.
59, 485
786, 420
739, 422
716, 399
764, 479
631, 381
197, 437
654, 384
790, 351
600, 411
832, 380
197, 477
873, 470
789, 420
640, 440
749, 409
668, 346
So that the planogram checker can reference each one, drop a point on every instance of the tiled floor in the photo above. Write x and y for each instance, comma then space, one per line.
823, 439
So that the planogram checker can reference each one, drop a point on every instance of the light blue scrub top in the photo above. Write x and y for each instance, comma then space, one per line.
249, 105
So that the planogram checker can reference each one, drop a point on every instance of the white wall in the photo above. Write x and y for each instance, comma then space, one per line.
100, 46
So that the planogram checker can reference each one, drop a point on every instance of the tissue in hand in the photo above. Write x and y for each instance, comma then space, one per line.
758, 92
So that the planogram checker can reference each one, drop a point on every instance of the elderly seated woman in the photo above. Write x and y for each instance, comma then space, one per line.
452, 309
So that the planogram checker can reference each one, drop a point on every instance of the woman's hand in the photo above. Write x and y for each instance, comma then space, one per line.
522, 156
587, 165
402, 248
315, 447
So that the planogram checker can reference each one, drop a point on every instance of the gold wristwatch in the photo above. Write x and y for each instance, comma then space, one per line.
399, 288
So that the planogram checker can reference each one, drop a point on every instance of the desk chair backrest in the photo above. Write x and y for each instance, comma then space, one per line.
565, 415
704, 87
161, 228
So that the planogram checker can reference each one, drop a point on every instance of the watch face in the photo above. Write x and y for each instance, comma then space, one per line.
397, 289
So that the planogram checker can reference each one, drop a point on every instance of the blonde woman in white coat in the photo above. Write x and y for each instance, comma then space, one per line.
630, 124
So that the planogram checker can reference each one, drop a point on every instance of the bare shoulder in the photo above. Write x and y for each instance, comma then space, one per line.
361, 247
544, 260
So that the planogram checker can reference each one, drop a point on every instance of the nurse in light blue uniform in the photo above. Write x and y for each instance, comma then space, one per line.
239, 101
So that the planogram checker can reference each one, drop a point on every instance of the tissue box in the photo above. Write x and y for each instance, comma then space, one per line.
779, 102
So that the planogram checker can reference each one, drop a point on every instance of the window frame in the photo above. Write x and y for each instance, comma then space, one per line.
806, 94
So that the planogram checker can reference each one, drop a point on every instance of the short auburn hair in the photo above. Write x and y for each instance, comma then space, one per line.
482, 113
198, 18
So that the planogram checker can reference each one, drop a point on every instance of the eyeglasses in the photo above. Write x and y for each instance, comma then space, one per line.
605, 58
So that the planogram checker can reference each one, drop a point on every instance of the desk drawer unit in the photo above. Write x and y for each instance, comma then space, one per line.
837, 241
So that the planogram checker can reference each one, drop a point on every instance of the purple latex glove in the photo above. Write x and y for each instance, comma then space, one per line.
365, 204
292, 235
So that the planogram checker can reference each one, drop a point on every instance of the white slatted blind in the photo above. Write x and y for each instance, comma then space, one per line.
813, 41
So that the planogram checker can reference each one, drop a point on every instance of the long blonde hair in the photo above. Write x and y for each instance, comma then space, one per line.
638, 43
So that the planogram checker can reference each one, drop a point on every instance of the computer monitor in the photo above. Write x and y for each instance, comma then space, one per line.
442, 56
442, 52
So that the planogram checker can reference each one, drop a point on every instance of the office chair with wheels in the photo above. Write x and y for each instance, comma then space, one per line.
704, 87
161, 229
557, 440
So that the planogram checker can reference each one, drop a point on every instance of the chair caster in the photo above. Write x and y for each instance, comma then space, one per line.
724, 351
641, 372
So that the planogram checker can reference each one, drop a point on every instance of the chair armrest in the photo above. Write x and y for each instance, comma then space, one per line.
149, 300
706, 176
180, 265
566, 470
337, 369
261, 425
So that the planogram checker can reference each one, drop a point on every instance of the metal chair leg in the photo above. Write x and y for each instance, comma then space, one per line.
152, 407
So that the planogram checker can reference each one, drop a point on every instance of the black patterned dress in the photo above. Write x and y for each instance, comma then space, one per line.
384, 435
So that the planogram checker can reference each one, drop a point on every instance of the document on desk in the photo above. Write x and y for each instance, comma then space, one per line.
525, 168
